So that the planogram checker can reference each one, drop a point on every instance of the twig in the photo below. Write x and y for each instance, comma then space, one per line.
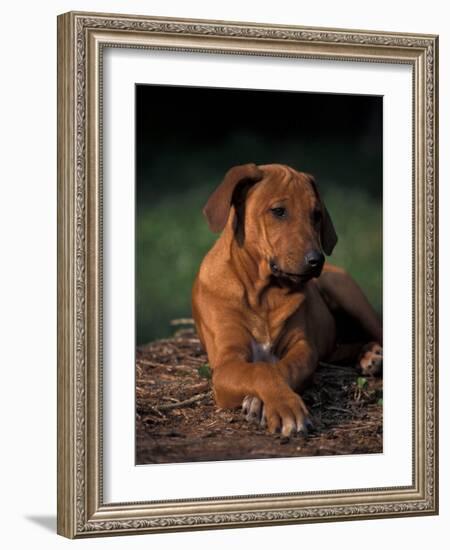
338, 409
183, 321
185, 403
152, 409
168, 366
364, 427
151, 363
196, 360
213, 423
190, 368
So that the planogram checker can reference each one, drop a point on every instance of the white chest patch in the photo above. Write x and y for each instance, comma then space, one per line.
262, 352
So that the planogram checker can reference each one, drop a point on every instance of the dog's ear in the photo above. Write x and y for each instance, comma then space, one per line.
328, 235
232, 190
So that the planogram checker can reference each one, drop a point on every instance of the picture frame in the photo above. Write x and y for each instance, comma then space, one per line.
82, 41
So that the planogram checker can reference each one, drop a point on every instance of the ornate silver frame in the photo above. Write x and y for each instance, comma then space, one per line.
81, 39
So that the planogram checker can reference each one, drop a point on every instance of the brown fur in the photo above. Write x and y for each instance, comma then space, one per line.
253, 291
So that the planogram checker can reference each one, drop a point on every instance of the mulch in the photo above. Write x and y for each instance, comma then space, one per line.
177, 420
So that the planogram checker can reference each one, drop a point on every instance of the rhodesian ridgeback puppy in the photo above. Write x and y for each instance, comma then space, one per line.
266, 306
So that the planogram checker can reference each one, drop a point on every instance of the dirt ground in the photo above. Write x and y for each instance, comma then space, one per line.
177, 420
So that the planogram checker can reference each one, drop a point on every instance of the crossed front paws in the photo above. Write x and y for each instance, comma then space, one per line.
288, 415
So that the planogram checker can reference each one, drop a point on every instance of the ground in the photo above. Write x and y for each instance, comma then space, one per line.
177, 420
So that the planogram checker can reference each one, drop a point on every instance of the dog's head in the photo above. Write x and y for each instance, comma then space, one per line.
278, 216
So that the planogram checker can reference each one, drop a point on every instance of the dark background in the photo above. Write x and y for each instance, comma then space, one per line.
187, 138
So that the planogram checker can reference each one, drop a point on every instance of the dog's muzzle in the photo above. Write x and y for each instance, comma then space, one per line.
312, 267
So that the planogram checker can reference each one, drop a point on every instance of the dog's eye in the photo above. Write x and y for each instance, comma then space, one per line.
279, 211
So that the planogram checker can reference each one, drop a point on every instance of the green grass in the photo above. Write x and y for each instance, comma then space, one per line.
358, 221
172, 237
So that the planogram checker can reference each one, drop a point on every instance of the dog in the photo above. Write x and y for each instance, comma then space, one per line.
266, 306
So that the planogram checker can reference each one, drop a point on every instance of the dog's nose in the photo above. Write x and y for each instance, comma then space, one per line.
314, 258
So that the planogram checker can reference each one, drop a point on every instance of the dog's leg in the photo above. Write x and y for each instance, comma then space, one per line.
263, 385
367, 357
344, 293
339, 286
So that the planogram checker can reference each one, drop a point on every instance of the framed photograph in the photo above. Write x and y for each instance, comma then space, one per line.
247, 284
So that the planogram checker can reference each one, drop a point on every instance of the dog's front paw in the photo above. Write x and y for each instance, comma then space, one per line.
287, 414
253, 410
370, 361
